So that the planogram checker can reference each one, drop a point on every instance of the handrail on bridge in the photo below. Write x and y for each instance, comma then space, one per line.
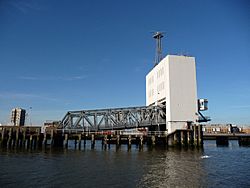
114, 132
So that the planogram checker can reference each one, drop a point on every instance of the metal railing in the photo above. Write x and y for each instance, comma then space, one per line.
114, 132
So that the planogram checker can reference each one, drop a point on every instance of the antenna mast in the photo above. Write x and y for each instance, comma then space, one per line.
158, 55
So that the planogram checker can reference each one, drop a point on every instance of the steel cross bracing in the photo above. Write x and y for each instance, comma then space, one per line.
114, 119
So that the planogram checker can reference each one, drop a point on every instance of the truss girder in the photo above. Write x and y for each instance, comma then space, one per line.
116, 118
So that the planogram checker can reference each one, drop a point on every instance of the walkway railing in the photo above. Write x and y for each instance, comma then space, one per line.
114, 132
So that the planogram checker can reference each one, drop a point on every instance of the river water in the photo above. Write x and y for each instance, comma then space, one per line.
111, 167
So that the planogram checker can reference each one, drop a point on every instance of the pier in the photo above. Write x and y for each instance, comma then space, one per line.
21, 137
32, 138
223, 138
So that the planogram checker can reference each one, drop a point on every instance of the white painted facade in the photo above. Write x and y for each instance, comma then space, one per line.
173, 81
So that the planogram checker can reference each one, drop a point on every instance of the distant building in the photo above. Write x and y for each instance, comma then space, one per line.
18, 116
49, 124
223, 128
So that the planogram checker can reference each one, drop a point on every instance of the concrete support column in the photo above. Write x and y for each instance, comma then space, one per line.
222, 141
175, 138
182, 138
65, 144
188, 138
199, 136
35, 141
153, 140
169, 140
24, 138
195, 134
92, 140
129, 141
45, 140
3, 137
27, 143
84, 139
51, 138
79, 141
141, 140
244, 141
105, 141
9, 138
17, 137
75, 141
118, 140
38, 137
31, 141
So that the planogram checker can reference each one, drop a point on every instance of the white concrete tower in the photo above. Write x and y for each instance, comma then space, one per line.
173, 82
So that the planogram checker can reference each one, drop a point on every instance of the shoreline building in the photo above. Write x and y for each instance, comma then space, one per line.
172, 82
18, 116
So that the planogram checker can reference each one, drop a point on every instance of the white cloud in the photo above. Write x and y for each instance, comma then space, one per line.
53, 78
73, 78
24, 96
24, 6
240, 106
28, 78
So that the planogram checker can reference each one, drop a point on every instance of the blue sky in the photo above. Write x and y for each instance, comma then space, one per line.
65, 55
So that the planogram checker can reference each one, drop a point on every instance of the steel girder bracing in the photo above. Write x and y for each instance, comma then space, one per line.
113, 119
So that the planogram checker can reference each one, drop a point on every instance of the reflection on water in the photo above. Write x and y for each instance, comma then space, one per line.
173, 168
123, 167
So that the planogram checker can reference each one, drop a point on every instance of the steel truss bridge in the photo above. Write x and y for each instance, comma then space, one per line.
115, 118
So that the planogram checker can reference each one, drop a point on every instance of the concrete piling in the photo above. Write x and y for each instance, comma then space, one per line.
182, 139
199, 140
38, 138
244, 141
188, 138
92, 141
44, 140
175, 139
79, 141
129, 140
3, 137
118, 140
75, 137
105, 141
31, 141
17, 137
84, 139
141, 140
195, 135
32, 138
51, 138
153, 140
65, 144
9, 138
222, 141
24, 138
35, 142
27, 144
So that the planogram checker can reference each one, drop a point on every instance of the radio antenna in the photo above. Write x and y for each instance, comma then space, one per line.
158, 53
